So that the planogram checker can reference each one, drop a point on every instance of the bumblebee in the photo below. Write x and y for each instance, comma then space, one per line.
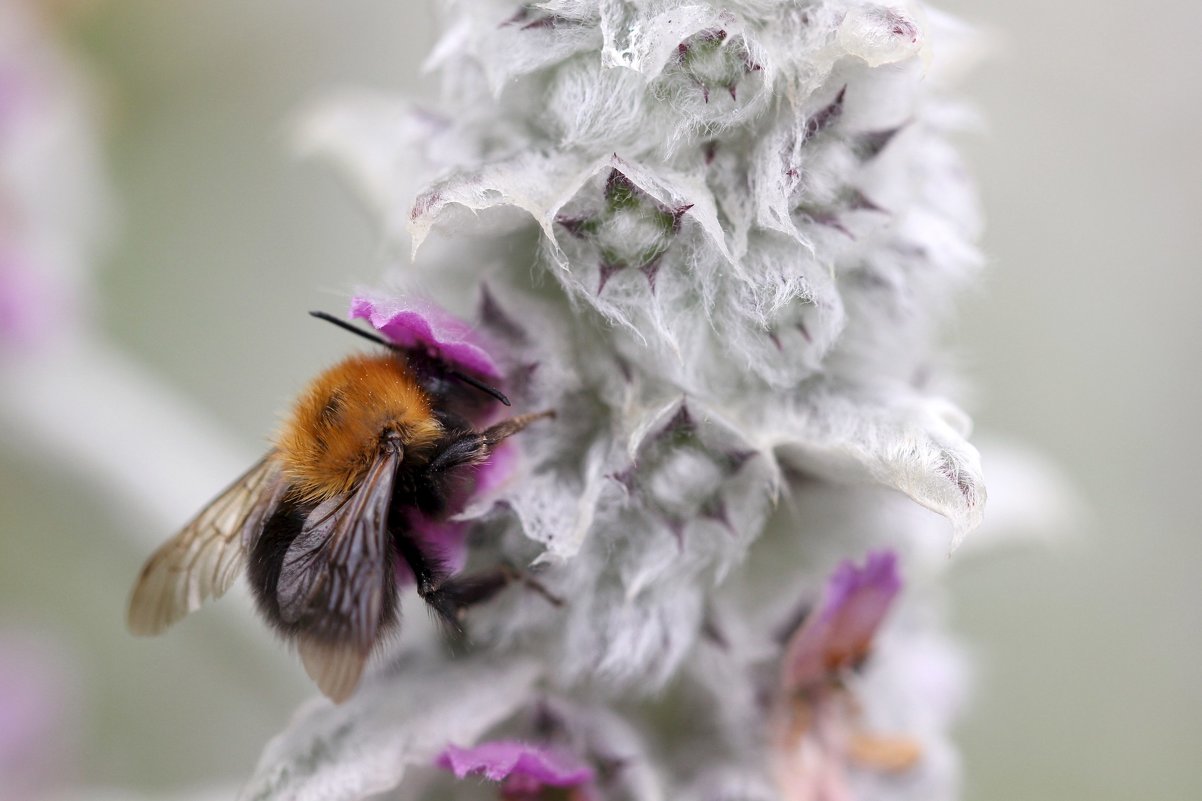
320, 523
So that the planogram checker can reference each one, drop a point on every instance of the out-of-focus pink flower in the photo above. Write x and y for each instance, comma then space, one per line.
524, 770
34, 709
422, 325
838, 634
51, 195
12, 94
26, 296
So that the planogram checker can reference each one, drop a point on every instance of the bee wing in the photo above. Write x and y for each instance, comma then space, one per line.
204, 558
337, 582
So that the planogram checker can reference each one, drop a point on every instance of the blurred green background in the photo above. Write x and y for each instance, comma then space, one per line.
1082, 340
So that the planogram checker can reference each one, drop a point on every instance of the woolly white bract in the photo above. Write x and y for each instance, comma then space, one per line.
717, 239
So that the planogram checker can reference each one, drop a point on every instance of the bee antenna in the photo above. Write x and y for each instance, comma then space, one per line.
345, 326
464, 377
480, 385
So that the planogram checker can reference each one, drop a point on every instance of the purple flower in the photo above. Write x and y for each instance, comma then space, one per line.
422, 325
839, 633
494, 471
818, 734
524, 770
442, 542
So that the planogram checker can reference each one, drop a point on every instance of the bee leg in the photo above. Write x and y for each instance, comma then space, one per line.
427, 573
507, 428
534, 584
461, 447
455, 596
465, 446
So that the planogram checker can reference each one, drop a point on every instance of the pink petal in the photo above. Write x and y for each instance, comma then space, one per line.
416, 323
839, 633
494, 471
529, 766
444, 542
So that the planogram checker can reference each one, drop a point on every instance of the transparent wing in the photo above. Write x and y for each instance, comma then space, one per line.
337, 583
204, 558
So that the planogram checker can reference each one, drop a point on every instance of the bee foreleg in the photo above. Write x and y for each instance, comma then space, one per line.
428, 573
455, 596
507, 428
451, 599
463, 447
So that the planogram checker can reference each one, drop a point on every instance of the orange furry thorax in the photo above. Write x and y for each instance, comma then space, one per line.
335, 430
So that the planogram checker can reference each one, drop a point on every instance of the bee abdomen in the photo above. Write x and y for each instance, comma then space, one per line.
267, 558
264, 568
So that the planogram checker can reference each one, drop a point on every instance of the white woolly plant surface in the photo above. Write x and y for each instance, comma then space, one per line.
718, 239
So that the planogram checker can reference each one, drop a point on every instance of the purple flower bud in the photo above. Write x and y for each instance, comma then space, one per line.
838, 634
